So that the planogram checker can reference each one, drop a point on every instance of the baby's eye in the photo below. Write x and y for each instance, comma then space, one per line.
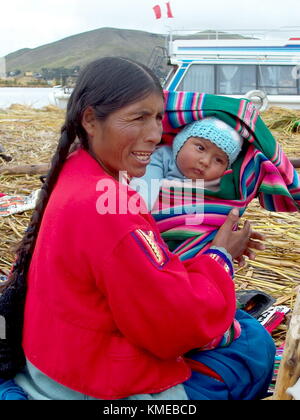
221, 161
200, 147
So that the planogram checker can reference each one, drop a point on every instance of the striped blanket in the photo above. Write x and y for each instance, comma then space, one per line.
262, 170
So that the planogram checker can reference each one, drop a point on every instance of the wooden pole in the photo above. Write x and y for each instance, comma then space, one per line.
295, 163
289, 370
41, 168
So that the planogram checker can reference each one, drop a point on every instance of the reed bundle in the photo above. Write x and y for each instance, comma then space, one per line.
276, 270
30, 136
282, 119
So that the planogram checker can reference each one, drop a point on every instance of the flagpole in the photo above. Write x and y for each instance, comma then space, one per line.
163, 13
168, 26
168, 38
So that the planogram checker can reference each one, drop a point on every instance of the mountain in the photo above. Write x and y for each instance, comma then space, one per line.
77, 50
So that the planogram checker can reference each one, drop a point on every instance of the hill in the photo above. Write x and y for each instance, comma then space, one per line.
77, 50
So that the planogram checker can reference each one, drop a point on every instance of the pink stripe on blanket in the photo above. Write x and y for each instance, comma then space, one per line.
213, 220
181, 114
197, 106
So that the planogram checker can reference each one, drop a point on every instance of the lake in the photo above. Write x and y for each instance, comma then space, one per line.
35, 97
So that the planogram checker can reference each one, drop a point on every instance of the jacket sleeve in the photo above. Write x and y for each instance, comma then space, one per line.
163, 305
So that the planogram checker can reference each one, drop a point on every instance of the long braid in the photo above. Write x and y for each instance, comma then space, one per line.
12, 299
26, 246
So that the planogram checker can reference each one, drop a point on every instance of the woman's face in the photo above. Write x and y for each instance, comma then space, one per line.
125, 140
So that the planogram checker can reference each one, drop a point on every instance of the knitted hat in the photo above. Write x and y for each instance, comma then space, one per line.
214, 130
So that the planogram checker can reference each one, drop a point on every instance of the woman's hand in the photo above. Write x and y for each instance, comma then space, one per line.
240, 242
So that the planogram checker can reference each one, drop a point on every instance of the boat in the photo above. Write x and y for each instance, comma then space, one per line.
60, 95
263, 66
264, 69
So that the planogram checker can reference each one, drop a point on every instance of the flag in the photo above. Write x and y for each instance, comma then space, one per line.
158, 11
169, 11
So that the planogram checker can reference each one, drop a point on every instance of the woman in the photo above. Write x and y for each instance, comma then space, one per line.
109, 311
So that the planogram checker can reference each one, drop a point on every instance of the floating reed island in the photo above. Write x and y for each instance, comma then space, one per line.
30, 136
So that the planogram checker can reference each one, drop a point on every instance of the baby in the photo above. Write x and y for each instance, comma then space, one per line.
204, 149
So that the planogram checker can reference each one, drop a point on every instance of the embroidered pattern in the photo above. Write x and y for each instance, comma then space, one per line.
153, 249
222, 259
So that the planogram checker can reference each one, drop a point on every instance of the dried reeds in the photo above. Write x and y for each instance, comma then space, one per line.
282, 119
30, 136
276, 270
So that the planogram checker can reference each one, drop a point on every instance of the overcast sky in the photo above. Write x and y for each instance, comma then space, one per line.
31, 23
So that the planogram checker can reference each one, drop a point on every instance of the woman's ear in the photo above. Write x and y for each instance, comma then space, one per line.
88, 120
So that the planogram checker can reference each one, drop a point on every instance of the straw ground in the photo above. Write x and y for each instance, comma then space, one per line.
30, 137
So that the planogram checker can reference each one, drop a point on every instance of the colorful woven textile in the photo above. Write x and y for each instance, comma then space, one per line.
262, 170
278, 358
11, 204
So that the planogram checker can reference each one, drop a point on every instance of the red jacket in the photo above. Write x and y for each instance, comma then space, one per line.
109, 310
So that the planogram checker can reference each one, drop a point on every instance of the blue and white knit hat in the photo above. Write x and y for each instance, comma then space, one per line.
214, 130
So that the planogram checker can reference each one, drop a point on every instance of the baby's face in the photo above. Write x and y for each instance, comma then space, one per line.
201, 159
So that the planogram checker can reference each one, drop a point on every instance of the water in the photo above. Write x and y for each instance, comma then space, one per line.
35, 97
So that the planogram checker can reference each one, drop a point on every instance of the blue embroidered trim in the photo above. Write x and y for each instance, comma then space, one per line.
226, 262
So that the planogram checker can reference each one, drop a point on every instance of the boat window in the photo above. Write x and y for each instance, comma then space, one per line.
277, 80
238, 79
199, 78
235, 79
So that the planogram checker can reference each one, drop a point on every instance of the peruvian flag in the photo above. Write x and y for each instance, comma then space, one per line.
158, 11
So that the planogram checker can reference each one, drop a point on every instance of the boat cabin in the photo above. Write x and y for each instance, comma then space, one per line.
237, 67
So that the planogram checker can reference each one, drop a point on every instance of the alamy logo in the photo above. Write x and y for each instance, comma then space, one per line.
166, 197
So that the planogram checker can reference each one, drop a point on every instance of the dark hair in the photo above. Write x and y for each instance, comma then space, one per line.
106, 85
